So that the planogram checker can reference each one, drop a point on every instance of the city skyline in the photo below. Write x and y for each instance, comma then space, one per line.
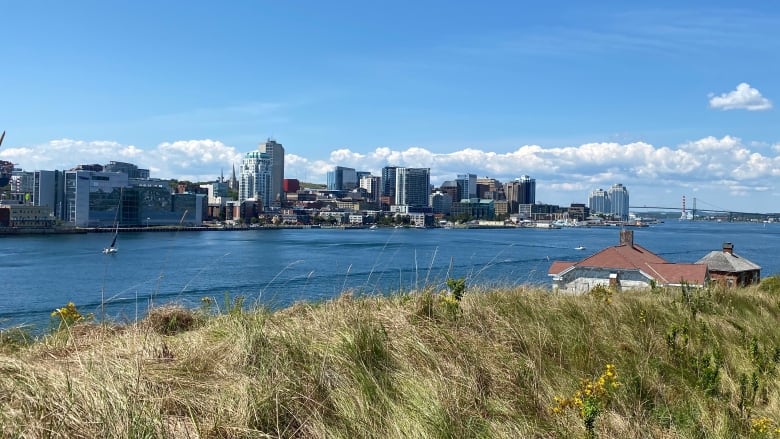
669, 100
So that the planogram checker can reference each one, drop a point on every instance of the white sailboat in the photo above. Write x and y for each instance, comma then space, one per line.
112, 249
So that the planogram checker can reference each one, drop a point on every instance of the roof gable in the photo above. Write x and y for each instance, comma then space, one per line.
558, 267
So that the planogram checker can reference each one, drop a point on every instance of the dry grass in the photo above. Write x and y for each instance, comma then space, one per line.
693, 364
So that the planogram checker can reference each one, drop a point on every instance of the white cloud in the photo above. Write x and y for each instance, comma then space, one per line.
709, 165
199, 160
744, 97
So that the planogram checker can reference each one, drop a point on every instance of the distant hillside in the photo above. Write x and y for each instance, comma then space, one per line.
514, 363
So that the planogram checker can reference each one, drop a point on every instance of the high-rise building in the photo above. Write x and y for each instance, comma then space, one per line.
520, 191
412, 186
49, 190
342, 179
388, 181
527, 190
372, 185
598, 201
275, 152
489, 188
618, 201
255, 177
467, 186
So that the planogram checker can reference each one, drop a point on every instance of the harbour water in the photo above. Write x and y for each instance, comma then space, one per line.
279, 267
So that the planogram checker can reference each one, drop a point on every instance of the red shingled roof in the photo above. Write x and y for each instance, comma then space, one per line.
636, 257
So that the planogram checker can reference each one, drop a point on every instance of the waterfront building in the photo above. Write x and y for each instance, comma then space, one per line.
467, 186
92, 198
618, 201
26, 216
275, 153
623, 267
474, 208
412, 186
255, 179
342, 179
187, 209
578, 211
538, 211
598, 201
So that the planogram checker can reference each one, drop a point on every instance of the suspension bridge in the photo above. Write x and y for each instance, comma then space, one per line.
709, 211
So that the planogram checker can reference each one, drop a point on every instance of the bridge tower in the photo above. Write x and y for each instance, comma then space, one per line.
684, 215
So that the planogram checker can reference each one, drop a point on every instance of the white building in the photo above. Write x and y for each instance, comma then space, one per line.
255, 179
618, 201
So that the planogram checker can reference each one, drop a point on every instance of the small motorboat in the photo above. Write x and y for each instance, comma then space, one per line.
579, 247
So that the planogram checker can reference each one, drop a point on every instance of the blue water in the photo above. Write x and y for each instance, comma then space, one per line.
279, 267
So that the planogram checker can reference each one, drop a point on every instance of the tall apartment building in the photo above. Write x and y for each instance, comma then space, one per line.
255, 179
598, 201
614, 201
275, 152
412, 187
618, 201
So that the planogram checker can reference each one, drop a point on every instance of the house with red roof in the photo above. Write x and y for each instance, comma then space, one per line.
624, 266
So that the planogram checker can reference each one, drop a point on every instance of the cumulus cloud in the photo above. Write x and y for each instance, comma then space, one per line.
198, 160
719, 165
724, 165
744, 97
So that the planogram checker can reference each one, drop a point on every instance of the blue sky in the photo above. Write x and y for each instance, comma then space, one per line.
668, 98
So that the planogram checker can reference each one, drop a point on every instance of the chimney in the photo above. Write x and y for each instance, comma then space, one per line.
728, 248
627, 237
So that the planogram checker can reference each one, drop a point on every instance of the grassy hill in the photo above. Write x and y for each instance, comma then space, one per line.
506, 363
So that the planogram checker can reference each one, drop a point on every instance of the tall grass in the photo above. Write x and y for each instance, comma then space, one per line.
689, 363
